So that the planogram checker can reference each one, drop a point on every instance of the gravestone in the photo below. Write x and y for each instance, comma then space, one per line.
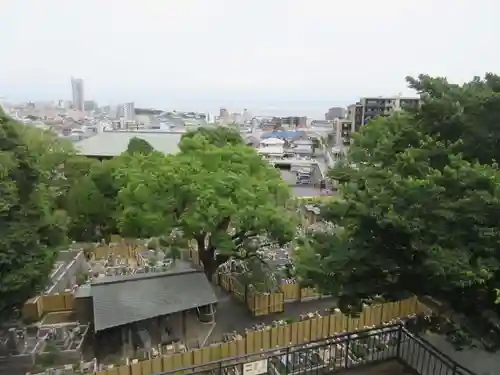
12, 342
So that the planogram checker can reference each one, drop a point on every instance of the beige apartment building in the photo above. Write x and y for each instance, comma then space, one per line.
367, 109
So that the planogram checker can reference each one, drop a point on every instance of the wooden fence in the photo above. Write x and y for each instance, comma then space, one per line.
254, 342
115, 238
35, 308
294, 292
122, 249
261, 304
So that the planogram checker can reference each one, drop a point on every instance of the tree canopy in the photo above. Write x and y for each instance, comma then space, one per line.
220, 195
421, 190
219, 137
91, 197
139, 145
32, 225
216, 191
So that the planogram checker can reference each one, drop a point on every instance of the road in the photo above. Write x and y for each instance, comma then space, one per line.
299, 190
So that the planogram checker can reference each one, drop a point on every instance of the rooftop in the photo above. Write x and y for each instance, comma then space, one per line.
283, 134
126, 299
110, 143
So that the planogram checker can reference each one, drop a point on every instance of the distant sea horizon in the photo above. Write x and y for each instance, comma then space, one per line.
313, 109
316, 112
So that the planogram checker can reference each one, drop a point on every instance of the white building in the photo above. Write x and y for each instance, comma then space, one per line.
269, 142
247, 116
275, 151
129, 111
302, 147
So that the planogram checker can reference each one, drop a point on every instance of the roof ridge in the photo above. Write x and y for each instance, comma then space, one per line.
142, 276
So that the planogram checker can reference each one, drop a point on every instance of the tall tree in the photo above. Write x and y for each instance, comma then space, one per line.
31, 226
218, 137
421, 192
139, 145
91, 197
224, 197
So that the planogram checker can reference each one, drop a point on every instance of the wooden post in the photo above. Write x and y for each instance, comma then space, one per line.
184, 328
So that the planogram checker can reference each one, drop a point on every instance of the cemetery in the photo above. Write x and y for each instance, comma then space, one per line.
141, 303
336, 353
119, 299
66, 272
267, 289
33, 346
135, 311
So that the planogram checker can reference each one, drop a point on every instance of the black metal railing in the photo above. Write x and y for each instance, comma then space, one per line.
425, 358
337, 353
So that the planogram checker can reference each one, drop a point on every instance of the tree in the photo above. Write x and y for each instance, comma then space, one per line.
221, 196
316, 143
420, 189
31, 225
139, 145
94, 200
218, 137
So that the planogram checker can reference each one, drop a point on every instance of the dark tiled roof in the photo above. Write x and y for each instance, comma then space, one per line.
150, 295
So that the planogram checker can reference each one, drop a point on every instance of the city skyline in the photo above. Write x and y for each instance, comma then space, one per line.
281, 107
205, 55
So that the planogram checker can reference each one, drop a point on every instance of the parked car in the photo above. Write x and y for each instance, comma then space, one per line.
303, 181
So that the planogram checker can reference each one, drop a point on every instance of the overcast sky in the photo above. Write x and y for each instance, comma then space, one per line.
239, 53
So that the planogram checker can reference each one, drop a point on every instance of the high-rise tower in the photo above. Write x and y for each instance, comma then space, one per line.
77, 92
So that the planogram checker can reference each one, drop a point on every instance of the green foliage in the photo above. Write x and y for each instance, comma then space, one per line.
174, 252
316, 143
139, 145
219, 137
32, 225
206, 191
421, 190
50, 357
259, 275
91, 197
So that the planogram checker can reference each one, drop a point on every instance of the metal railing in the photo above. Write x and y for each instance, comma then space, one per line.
425, 358
341, 352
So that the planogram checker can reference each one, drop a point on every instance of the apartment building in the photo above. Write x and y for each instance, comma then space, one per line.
367, 109
290, 122
335, 112
343, 128
379, 106
129, 111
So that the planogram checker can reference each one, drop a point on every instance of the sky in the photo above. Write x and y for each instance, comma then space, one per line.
276, 55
